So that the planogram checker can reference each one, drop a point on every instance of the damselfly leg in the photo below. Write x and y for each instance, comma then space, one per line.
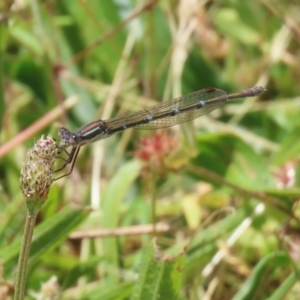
70, 160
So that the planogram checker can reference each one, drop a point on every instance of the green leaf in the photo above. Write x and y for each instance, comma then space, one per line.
159, 278
230, 157
255, 281
46, 236
27, 39
203, 245
282, 291
289, 147
112, 200
3, 42
229, 22
117, 292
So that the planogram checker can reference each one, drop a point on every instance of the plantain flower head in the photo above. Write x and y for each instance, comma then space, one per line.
37, 172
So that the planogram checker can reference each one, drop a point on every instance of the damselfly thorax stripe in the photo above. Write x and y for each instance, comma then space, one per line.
166, 114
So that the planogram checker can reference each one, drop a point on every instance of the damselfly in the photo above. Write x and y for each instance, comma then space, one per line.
166, 114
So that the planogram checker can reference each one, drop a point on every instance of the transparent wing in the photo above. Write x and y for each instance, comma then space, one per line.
187, 107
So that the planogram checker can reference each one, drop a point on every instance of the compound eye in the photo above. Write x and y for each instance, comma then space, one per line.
74, 137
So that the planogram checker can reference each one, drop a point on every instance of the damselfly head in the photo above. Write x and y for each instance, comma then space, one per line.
68, 138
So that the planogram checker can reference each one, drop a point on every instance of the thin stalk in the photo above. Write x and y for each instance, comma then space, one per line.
153, 201
24, 255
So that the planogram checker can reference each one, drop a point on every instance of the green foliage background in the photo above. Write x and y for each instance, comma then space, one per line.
225, 198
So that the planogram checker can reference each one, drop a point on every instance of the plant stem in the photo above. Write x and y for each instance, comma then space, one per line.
24, 255
153, 200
